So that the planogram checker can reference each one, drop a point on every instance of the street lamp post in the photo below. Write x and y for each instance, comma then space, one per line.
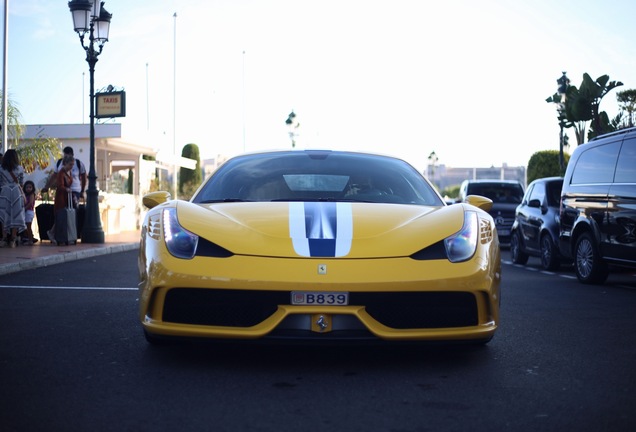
564, 83
432, 161
292, 124
89, 16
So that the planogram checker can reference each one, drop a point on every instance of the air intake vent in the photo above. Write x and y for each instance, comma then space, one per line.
154, 226
485, 231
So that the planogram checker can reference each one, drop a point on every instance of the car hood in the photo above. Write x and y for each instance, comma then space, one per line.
321, 229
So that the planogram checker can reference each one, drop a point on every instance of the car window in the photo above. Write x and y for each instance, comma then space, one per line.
528, 193
626, 167
307, 176
596, 164
538, 192
553, 192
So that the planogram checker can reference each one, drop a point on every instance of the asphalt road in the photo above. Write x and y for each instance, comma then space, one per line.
73, 358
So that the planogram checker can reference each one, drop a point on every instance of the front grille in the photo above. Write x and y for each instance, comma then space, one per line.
400, 310
221, 307
505, 221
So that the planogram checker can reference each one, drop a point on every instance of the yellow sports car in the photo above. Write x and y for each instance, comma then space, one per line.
319, 246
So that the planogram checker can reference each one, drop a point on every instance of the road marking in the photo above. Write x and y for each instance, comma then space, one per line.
565, 276
67, 288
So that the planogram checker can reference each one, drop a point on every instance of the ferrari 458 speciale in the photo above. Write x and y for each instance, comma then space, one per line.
318, 245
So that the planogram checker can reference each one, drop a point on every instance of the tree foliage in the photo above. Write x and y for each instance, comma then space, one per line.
627, 103
582, 106
545, 164
130, 185
14, 119
39, 153
450, 191
189, 180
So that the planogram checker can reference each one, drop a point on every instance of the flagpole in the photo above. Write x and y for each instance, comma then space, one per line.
5, 95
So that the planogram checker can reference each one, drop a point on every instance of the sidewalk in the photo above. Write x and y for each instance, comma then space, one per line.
44, 253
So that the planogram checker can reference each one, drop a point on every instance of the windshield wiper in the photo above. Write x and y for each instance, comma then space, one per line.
330, 199
326, 199
224, 200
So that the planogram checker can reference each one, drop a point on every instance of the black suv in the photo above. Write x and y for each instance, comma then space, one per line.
598, 206
505, 195
536, 228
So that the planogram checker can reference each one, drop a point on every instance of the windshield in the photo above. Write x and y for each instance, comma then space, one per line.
317, 176
498, 192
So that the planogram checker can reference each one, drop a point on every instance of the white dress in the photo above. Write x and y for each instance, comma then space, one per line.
11, 200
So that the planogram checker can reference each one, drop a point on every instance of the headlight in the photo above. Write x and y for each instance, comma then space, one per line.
180, 242
462, 245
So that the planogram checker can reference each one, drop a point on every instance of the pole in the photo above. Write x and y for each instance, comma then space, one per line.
174, 111
5, 94
561, 156
243, 84
147, 102
564, 83
92, 231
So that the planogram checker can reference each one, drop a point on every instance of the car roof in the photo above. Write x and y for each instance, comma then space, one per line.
547, 179
618, 132
493, 181
316, 151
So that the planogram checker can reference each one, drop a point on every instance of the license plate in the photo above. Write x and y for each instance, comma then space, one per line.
504, 232
310, 298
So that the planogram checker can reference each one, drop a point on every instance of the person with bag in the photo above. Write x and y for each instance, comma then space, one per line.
63, 197
78, 174
11, 199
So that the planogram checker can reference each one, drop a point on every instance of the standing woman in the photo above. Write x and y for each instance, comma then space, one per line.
64, 182
11, 198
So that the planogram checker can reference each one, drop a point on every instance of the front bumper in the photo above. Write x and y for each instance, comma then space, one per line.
396, 299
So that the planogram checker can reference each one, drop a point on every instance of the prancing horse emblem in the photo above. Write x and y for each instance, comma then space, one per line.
322, 323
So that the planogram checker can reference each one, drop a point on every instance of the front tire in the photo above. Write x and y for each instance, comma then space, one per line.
588, 264
518, 256
550, 259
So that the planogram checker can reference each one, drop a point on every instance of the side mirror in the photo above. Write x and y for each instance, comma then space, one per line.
153, 199
479, 201
534, 203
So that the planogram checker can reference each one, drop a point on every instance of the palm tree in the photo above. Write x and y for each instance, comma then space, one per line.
39, 153
582, 105
14, 120
627, 102
32, 156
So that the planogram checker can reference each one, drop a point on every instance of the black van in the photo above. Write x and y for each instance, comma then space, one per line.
598, 206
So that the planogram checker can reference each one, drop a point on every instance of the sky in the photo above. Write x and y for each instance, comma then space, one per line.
465, 79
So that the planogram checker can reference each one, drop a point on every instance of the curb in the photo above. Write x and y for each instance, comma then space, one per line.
65, 257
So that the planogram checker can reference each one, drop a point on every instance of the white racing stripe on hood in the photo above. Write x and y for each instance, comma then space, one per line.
321, 229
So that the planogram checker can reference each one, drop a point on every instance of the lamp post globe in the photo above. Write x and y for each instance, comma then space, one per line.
90, 17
